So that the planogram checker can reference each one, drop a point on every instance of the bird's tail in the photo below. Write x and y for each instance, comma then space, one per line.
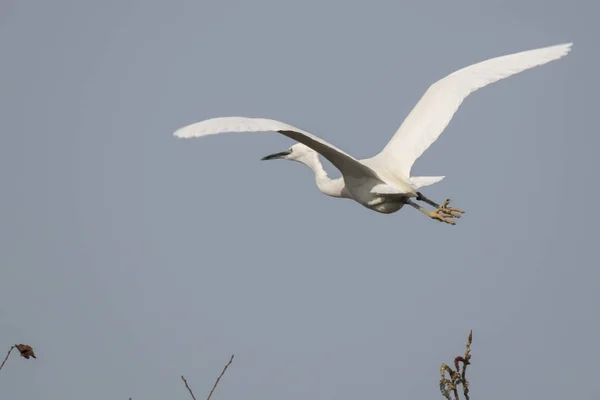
420, 181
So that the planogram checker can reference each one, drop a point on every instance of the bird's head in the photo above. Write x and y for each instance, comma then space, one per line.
298, 152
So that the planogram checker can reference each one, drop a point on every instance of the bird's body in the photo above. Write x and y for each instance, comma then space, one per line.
383, 183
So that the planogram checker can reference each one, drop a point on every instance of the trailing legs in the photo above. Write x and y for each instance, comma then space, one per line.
442, 213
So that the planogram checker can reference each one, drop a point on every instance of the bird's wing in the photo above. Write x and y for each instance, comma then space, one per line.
347, 164
433, 112
422, 181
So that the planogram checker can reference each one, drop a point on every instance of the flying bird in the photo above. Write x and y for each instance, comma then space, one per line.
383, 183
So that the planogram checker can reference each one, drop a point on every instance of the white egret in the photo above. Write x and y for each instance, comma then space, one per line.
383, 183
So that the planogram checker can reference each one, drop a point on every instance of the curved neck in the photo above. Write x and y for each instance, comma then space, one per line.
328, 186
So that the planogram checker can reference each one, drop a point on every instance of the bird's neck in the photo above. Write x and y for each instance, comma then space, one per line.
328, 186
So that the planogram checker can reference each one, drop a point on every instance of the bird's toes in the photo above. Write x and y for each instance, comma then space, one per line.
451, 213
442, 217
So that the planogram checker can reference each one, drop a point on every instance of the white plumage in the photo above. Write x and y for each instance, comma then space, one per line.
383, 183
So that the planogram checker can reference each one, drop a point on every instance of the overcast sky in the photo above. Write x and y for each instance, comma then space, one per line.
129, 257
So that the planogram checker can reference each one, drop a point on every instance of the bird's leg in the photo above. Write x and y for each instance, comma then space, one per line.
451, 211
438, 214
421, 197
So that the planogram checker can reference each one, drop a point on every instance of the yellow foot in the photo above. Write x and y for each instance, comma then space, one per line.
450, 211
443, 213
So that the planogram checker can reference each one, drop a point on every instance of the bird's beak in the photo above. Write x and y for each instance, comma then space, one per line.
275, 156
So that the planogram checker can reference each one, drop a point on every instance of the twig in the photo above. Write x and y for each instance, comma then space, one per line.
214, 386
188, 388
219, 378
467, 361
6, 358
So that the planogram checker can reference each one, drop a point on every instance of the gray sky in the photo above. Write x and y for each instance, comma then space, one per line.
130, 258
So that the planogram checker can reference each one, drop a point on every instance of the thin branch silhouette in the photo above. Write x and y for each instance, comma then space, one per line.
214, 386
7, 355
188, 387
219, 378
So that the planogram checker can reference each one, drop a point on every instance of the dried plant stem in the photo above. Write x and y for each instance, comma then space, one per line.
188, 387
6, 358
214, 386
219, 378
466, 362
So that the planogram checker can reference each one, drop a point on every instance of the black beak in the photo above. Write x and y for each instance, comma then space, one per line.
276, 155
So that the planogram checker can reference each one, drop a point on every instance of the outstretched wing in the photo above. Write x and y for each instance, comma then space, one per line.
347, 164
433, 112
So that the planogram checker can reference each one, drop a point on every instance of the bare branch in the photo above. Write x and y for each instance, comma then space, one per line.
188, 388
219, 378
216, 382
6, 358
